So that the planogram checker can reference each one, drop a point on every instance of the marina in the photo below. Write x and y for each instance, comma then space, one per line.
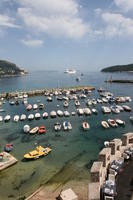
78, 146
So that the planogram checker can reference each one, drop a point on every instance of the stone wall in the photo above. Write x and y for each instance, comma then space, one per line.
107, 155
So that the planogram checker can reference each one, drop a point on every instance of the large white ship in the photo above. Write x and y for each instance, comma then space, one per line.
70, 71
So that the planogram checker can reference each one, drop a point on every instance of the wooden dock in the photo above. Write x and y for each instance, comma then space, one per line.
7, 161
39, 92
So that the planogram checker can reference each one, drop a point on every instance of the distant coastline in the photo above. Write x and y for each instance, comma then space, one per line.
119, 68
8, 69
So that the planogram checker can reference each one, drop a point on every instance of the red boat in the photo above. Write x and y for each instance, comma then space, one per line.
42, 130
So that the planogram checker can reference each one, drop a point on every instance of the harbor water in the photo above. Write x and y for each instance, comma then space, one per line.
72, 152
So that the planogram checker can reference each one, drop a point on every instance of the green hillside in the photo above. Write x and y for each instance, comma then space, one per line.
118, 68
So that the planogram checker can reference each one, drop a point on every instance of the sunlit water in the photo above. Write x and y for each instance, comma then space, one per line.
74, 151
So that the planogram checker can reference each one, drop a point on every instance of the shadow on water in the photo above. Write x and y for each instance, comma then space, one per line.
27, 138
11, 137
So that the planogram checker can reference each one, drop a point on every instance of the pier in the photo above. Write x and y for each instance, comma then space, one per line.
119, 81
6, 160
39, 92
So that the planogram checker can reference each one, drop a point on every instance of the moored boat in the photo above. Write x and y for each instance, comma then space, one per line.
60, 113
1, 118
66, 113
45, 115
112, 122
57, 126
16, 118
37, 116
8, 147
53, 114
26, 128
35, 106
38, 152
85, 126
127, 108
22, 117
7, 118
104, 124
67, 125
34, 130
42, 130
120, 122
28, 107
30, 117
65, 104
41, 106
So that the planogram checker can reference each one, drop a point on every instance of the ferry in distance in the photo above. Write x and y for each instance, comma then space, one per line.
70, 71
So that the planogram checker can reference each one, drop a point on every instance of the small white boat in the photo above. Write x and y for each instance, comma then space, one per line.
105, 100
34, 130
127, 108
105, 124
115, 110
60, 113
106, 109
66, 113
65, 98
67, 126
112, 123
25, 95
57, 126
80, 111
16, 118
49, 99
131, 119
29, 107
65, 104
87, 111
120, 122
99, 101
89, 102
45, 115
7, 118
120, 108
1, 118
85, 126
94, 102
37, 116
31, 117
82, 96
35, 106
73, 113
94, 110
12, 103
106, 143
77, 103
22, 117
53, 114
26, 128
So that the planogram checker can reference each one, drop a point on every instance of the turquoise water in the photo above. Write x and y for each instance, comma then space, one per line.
73, 152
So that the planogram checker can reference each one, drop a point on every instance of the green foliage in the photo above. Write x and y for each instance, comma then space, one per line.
8, 68
118, 68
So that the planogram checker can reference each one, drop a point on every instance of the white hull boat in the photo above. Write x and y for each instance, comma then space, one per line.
112, 123
45, 115
57, 126
67, 126
120, 122
31, 117
34, 130
16, 118
22, 117
26, 128
37, 116
1, 118
85, 126
66, 113
105, 124
60, 113
52, 114
7, 118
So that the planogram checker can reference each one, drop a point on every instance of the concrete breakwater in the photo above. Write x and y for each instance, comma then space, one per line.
100, 169
38, 92
119, 81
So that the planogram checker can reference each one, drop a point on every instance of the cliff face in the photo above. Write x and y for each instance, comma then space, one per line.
118, 68
9, 69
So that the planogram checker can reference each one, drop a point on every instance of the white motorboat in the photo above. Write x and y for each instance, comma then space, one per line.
127, 108
45, 115
106, 109
105, 124
82, 96
99, 101
85, 126
7, 118
57, 126
120, 108
89, 102
70, 71
34, 130
31, 117
94, 110
77, 103
65, 98
26, 128
67, 126
25, 95
53, 114
37, 116
12, 103
1, 118
16, 118
87, 111
66, 113
112, 123
49, 99
80, 111
115, 110
35, 106
28, 107
94, 102
22, 117
105, 100
120, 122
73, 113
60, 113
106, 143
131, 118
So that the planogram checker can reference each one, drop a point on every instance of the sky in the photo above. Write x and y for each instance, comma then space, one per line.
59, 34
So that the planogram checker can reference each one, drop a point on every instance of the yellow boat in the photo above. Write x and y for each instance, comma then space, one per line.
38, 152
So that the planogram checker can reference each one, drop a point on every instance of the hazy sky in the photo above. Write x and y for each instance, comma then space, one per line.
57, 34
